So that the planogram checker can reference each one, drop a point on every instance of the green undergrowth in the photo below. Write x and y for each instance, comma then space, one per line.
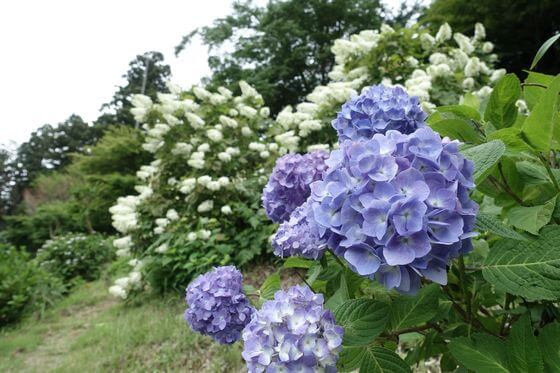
89, 331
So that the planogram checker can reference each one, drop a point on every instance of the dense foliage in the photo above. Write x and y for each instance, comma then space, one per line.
517, 27
24, 285
75, 256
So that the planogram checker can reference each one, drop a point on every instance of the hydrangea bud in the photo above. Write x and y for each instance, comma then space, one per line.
288, 185
377, 110
397, 207
292, 333
217, 305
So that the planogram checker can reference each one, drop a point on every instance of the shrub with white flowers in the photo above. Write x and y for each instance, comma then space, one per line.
211, 156
439, 69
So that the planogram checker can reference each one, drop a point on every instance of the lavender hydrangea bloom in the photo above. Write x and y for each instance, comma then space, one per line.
298, 236
288, 186
292, 333
217, 305
396, 207
377, 110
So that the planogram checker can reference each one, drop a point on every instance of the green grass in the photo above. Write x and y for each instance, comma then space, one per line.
91, 332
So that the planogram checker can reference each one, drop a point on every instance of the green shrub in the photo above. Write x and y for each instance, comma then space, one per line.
75, 255
24, 286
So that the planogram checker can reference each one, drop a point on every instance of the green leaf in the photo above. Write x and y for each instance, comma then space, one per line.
542, 50
482, 353
549, 342
340, 295
362, 320
370, 359
532, 219
270, 286
409, 311
457, 112
484, 157
501, 110
489, 223
295, 262
513, 139
538, 128
533, 89
528, 269
457, 129
524, 355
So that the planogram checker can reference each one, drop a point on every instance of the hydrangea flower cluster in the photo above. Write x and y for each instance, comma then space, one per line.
217, 305
377, 110
292, 333
299, 236
396, 207
288, 186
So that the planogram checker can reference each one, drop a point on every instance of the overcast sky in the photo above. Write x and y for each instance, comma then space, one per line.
60, 57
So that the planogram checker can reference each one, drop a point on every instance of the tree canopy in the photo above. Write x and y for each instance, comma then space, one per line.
283, 49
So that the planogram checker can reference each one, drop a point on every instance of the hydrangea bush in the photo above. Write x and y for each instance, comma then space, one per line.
438, 69
210, 155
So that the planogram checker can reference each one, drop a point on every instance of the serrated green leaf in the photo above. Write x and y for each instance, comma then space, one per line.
549, 342
369, 359
501, 110
532, 219
362, 320
491, 224
484, 157
482, 353
457, 129
409, 311
524, 354
542, 50
457, 112
295, 262
538, 128
270, 286
528, 269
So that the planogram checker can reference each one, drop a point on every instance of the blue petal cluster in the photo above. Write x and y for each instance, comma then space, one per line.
288, 186
217, 305
292, 333
396, 207
299, 236
377, 110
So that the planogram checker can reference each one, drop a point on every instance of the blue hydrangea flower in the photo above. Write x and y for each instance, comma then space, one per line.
292, 333
396, 207
298, 236
288, 186
217, 305
377, 110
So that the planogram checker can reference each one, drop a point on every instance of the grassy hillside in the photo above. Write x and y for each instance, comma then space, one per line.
89, 331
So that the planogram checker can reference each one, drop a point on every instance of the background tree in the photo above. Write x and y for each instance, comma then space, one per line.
146, 74
283, 49
518, 28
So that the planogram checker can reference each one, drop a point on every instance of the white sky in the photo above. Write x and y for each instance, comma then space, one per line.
59, 57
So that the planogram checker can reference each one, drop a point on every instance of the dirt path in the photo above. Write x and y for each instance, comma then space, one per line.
58, 340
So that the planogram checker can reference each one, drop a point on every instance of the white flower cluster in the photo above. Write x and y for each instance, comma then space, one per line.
206, 145
453, 60
124, 285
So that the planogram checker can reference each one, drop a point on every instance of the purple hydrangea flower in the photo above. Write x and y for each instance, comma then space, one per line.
288, 186
298, 236
397, 207
377, 110
217, 305
292, 333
